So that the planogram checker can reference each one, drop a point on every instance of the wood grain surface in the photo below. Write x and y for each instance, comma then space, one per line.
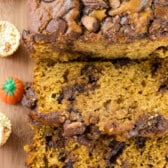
19, 65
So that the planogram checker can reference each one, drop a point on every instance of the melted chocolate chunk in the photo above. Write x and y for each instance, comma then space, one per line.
140, 142
118, 148
159, 28
154, 124
68, 165
93, 132
163, 88
166, 157
29, 99
48, 140
65, 76
155, 67
62, 156
84, 140
110, 27
58, 26
90, 71
53, 141
120, 62
71, 91
46, 161
87, 69
25, 33
80, 88
114, 27
90, 5
93, 78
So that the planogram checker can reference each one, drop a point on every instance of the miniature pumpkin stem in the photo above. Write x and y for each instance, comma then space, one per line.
9, 86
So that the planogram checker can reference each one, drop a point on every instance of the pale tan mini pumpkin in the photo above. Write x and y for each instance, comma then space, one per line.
9, 38
5, 129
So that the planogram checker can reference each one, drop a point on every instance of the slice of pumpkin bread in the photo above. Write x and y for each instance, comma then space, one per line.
49, 149
126, 98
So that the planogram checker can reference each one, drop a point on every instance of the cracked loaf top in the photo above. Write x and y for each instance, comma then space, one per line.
115, 20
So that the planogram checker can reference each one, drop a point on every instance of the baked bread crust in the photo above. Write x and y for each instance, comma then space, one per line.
62, 30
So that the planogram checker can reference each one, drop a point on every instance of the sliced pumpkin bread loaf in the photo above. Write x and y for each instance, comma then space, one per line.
63, 29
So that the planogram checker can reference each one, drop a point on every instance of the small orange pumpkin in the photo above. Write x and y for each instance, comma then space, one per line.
12, 90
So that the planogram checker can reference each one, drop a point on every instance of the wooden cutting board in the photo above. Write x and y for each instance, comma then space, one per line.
19, 65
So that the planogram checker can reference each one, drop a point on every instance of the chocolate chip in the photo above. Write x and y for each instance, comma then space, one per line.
65, 75
62, 156
68, 165
93, 78
166, 157
71, 109
110, 27
48, 140
60, 98
90, 5
120, 62
80, 88
25, 34
29, 99
117, 150
84, 140
71, 91
159, 28
154, 68
68, 93
92, 132
46, 161
112, 143
89, 69
58, 26
53, 95
163, 88
140, 142
151, 124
